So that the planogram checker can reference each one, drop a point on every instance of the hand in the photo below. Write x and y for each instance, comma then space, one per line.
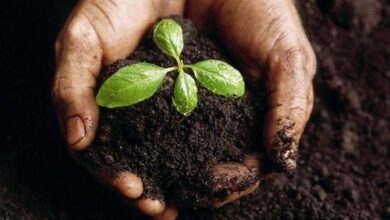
97, 33
266, 37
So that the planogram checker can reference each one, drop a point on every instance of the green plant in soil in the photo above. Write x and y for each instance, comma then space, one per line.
138, 82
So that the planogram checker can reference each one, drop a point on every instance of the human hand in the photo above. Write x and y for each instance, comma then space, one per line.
267, 39
96, 34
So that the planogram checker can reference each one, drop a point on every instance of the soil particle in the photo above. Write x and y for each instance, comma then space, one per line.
352, 195
349, 140
319, 193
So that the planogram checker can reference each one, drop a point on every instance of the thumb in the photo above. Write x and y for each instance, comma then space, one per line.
78, 64
290, 95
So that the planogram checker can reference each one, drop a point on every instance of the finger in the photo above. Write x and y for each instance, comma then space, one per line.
130, 186
234, 180
151, 207
73, 89
290, 99
126, 184
170, 213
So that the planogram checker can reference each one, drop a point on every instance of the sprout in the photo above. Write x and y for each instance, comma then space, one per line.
138, 82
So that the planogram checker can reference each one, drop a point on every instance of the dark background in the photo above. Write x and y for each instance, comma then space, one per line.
344, 169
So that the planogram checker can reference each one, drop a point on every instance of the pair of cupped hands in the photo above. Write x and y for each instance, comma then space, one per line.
265, 37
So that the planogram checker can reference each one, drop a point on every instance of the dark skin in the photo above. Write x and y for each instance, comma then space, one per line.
265, 37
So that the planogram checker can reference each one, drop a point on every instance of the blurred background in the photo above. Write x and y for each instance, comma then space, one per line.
344, 167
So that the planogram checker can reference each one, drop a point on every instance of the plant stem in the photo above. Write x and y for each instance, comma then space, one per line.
187, 66
180, 65
169, 69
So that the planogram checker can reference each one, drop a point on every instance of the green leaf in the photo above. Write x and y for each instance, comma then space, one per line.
185, 97
168, 36
130, 85
219, 77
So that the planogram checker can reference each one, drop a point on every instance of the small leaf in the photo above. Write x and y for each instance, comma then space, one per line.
219, 77
168, 36
185, 97
130, 85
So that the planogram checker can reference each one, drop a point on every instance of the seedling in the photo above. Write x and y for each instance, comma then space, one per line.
138, 82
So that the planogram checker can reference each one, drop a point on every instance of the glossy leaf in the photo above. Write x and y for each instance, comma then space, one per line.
130, 85
185, 97
219, 77
168, 36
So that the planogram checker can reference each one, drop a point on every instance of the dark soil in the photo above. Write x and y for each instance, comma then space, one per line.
174, 154
344, 166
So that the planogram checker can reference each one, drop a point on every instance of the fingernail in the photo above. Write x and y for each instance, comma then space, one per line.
75, 130
129, 185
151, 207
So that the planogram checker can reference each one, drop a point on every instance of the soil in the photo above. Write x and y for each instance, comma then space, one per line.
343, 170
174, 155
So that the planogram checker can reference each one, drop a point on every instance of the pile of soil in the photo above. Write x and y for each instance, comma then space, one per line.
173, 154
344, 164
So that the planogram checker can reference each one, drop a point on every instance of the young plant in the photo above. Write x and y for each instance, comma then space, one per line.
137, 82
